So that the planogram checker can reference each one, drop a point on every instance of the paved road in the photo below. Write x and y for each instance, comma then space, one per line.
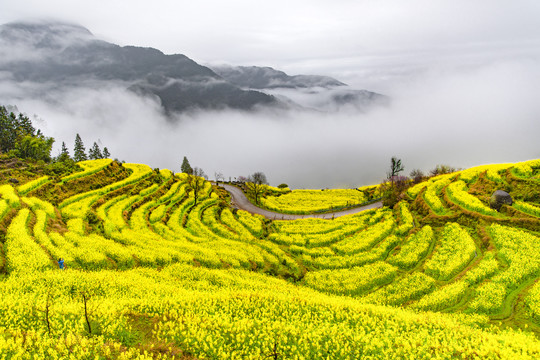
240, 201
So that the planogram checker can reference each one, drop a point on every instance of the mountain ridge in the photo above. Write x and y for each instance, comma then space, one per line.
48, 52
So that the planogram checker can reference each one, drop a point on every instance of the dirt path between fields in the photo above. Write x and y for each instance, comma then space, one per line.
240, 201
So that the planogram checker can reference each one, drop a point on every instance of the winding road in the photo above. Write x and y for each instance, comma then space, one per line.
240, 201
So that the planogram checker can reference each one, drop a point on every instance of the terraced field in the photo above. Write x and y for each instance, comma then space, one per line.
151, 274
317, 201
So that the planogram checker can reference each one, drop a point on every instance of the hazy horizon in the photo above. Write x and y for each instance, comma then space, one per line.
463, 78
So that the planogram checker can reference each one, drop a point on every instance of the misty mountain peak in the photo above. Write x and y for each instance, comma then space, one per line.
64, 55
44, 34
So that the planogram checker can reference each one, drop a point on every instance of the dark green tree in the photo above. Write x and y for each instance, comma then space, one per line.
185, 167
13, 129
25, 126
64, 154
106, 153
95, 152
19, 137
8, 135
79, 152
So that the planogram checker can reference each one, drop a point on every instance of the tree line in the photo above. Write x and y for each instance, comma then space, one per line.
19, 138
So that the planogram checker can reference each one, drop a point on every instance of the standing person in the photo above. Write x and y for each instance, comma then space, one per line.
61, 263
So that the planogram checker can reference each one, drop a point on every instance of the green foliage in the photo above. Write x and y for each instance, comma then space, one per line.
79, 152
34, 147
64, 154
19, 138
95, 152
60, 168
186, 167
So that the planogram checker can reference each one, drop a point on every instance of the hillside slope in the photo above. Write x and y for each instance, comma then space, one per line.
157, 272
57, 54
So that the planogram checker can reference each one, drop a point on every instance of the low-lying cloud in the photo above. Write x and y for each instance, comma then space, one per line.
461, 117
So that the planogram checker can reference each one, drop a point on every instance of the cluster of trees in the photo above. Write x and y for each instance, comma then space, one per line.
79, 151
18, 137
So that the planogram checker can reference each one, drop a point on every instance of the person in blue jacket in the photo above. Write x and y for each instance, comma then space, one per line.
61, 263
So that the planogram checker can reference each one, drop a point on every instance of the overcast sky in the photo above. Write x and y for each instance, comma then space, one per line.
366, 42
464, 77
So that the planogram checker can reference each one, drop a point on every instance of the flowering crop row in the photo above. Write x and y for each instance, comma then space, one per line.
413, 191
78, 209
407, 220
364, 240
318, 239
10, 196
23, 254
232, 222
410, 287
89, 167
351, 281
457, 192
487, 267
139, 172
4, 208
523, 170
432, 196
309, 226
35, 203
312, 201
158, 213
416, 247
532, 301
254, 223
493, 172
324, 261
115, 215
455, 251
211, 219
527, 208
442, 298
43, 239
521, 251
449, 295
32, 185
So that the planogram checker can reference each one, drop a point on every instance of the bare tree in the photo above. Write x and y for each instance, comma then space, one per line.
195, 182
219, 176
256, 184
417, 175
395, 168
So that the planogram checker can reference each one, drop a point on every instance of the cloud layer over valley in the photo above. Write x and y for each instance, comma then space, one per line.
463, 83
463, 118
